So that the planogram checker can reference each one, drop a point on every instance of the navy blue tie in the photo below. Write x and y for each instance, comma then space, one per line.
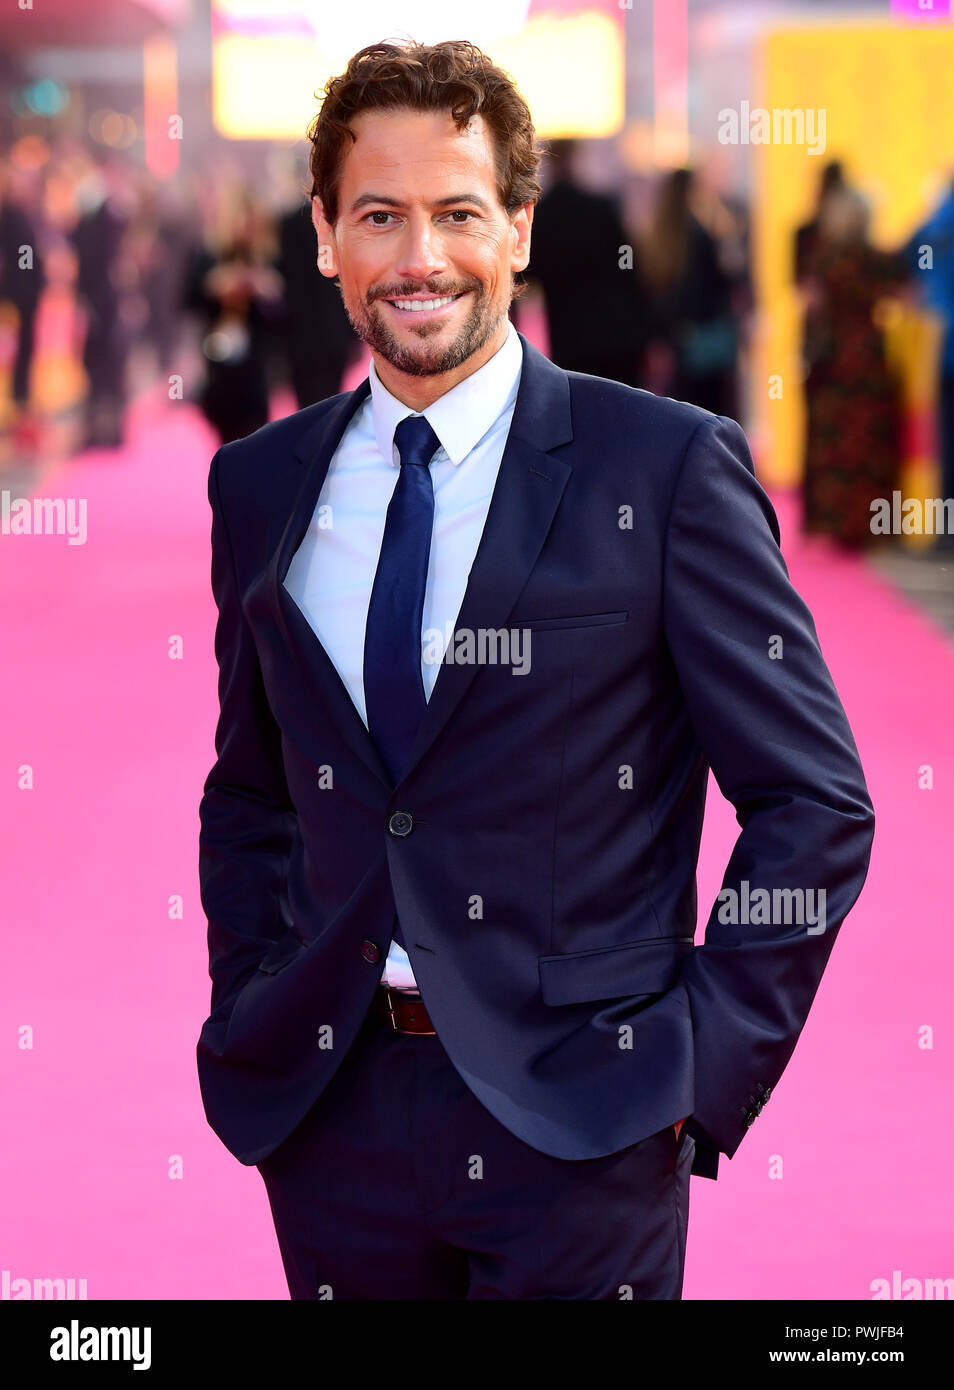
393, 684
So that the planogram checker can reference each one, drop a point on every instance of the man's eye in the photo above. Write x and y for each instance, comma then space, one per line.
457, 212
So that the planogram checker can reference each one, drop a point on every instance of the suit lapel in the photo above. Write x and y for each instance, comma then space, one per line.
315, 450
527, 492
529, 485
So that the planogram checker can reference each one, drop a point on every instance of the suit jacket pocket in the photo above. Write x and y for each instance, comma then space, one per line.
574, 620
286, 948
650, 966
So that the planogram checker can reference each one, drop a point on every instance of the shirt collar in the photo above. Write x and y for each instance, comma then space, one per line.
463, 415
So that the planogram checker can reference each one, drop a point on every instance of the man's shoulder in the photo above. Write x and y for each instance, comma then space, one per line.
634, 414
279, 438
272, 452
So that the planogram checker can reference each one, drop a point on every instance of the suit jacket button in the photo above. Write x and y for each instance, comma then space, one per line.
370, 952
401, 823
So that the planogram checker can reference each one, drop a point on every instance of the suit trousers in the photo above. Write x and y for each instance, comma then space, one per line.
399, 1184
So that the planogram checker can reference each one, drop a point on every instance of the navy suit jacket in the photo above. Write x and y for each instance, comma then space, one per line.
545, 879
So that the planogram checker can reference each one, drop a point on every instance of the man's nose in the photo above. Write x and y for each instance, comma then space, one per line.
421, 253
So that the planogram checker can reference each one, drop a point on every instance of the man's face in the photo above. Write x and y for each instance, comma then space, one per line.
419, 220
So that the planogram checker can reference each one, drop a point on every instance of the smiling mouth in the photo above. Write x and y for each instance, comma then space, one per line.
430, 307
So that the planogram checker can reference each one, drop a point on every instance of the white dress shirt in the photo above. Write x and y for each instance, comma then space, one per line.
331, 573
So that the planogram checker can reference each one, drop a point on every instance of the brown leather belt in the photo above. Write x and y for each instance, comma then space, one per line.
404, 1012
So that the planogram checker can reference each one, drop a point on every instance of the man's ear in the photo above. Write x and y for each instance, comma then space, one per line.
520, 235
327, 257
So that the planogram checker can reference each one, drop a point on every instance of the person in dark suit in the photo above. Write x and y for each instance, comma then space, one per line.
103, 280
319, 341
484, 625
597, 315
22, 282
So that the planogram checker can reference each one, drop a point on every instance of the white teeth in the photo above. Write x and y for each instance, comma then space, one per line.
419, 305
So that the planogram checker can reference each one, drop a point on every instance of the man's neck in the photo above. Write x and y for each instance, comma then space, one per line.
418, 392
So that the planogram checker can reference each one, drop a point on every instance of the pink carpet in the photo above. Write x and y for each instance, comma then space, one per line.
111, 1174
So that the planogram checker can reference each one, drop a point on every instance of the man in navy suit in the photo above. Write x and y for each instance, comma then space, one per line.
484, 625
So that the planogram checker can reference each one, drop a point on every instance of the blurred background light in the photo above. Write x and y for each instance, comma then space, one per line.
30, 153
46, 97
160, 101
270, 60
112, 128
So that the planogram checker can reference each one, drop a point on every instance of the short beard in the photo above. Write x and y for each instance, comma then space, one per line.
477, 329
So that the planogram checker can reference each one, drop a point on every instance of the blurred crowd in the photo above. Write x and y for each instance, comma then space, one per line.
220, 274
165, 273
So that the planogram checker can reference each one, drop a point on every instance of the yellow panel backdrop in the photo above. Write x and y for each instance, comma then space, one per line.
888, 94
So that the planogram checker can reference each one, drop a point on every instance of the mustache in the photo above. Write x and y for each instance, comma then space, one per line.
406, 293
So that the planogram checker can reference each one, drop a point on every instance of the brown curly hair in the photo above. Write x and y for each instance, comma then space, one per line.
453, 76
